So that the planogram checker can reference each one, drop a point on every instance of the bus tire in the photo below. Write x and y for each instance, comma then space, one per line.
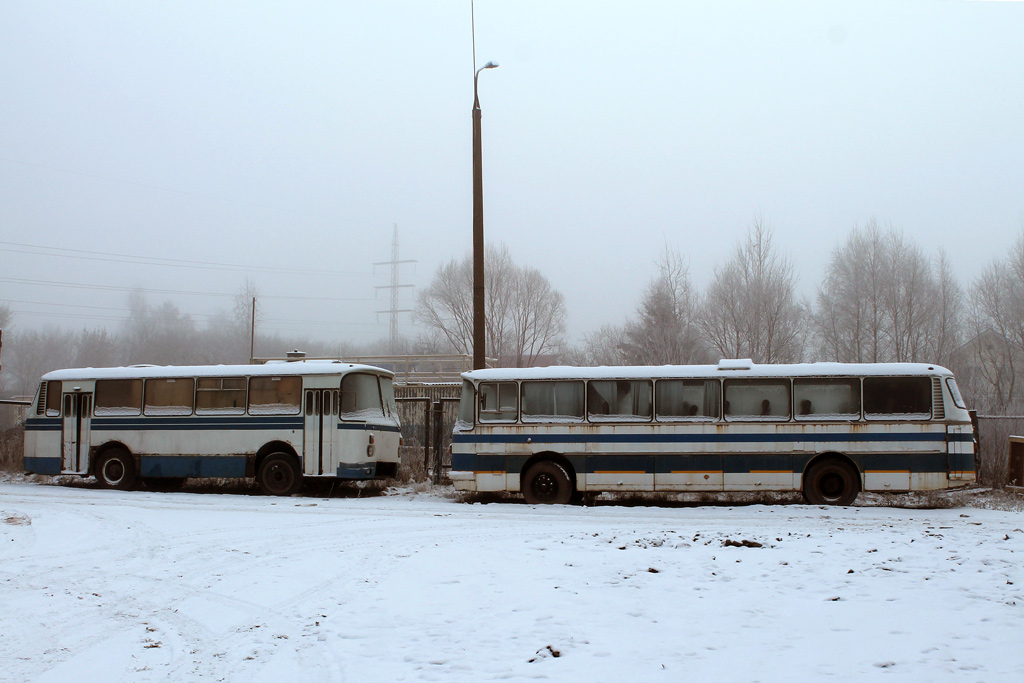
547, 483
116, 470
279, 475
831, 482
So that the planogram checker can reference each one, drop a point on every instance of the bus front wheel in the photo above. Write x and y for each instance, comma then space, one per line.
116, 470
831, 482
279, 475
547, 482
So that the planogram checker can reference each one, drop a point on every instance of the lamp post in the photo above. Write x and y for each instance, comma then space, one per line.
479, 335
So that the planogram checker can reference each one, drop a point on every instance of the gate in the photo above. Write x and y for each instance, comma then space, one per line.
428, 413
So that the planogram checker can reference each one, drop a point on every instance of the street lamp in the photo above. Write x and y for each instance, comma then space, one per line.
479, 335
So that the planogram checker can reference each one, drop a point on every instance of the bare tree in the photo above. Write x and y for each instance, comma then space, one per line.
948, 328
666, 330
31, 354
909, 299
750, 308
525, 316
997, 329
160, 335
536, 317
848, 317
992, 348
884, 300
606, 346
96, 349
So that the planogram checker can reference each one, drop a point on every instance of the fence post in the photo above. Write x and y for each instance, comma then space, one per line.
427, 437
435, 438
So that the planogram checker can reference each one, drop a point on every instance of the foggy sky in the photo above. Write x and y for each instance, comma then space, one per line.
288, 138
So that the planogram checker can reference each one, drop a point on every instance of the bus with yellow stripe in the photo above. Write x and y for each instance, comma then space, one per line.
828, 430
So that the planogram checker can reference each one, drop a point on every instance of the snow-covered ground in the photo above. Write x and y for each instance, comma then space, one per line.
109, 586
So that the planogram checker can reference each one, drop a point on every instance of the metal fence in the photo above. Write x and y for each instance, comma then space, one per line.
994, 432
12, 436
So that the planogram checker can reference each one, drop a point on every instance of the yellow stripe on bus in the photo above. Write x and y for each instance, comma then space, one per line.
771, 471
886, 471
696, 472
621, 472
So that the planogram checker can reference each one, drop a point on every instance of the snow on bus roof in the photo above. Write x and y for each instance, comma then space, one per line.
725, 368
272, 369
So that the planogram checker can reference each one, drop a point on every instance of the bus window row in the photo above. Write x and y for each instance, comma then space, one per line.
637, 400
360, 396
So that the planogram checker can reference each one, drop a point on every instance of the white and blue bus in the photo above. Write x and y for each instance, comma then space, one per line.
829, 430
280, 423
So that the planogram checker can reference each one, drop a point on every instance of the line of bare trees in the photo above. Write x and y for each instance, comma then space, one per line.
749, 309
159, 334
883, 299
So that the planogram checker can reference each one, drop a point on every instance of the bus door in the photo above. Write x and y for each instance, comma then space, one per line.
77, 415
358, 434
960, 452
321, 409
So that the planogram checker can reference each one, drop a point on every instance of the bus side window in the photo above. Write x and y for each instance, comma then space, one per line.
275, 395
750, 399
173, 396
687, 399
619, 400
118, 397
498, 402
220, 395
552, 401
827, 398
897, 398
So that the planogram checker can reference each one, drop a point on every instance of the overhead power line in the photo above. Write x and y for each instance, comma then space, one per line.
115, 288
195, 318
82, 254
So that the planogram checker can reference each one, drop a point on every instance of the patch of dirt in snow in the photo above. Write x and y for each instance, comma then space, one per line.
15, 518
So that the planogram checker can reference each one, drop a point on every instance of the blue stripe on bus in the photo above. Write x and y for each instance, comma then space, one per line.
194, 423
42, 465
192, 466
738, 463
696, 438
366, 470
369, 427
961, 462
198, 423
42, 424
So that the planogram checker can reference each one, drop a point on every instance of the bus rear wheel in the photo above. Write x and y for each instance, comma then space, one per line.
547, 483
279, 475
116, 470
831, 482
